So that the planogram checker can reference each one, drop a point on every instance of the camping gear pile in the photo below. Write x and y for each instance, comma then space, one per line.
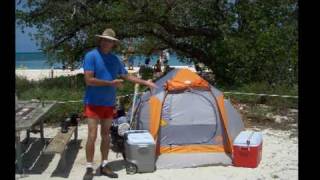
119, 126
189, 119
136, 146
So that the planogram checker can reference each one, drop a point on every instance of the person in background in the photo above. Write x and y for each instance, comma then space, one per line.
147, 61
124, 59
131, 62
198, 69
101, 72
161, 60
166, 60
157, 68
166, 57
130, 57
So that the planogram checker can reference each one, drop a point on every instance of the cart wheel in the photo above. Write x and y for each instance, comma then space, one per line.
131, 168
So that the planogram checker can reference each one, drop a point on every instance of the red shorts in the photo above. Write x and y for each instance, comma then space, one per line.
98, 112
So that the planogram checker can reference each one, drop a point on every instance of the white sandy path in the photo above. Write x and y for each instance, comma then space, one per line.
279, 161
38, 74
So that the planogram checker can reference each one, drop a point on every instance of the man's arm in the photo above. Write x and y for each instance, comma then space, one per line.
134, 79
92, 81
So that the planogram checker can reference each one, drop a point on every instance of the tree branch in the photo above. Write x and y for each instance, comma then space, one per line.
187, 31
183, 47
67, 36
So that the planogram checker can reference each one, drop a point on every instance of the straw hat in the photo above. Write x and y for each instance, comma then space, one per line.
108, 34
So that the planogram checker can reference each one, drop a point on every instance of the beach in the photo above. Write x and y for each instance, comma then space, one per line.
39, 74
279, 161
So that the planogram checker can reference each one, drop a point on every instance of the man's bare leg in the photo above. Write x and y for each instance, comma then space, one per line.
105, 138
104, 148
92, 136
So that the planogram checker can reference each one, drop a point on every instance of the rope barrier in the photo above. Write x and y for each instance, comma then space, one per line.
75, 101
237, 93
254, 94
63, 102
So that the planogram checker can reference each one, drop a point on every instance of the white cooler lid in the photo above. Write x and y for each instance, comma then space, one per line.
241, 139
140, 138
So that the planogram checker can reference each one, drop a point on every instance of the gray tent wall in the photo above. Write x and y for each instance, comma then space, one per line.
192, 117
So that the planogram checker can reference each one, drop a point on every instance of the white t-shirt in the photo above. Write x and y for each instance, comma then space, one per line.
167, 55
161, 58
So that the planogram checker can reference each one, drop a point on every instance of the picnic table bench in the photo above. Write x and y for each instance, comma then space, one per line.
59, 143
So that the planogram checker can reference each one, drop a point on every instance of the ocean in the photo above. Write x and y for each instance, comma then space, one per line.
38, 60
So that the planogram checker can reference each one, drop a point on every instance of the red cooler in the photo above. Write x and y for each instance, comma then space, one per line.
247, 149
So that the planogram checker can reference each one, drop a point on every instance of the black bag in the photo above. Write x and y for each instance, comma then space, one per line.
72, 120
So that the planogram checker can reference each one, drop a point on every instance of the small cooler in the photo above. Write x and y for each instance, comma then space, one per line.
247, 149
139, 151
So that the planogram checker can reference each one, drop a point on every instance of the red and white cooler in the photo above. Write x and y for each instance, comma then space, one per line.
247, 149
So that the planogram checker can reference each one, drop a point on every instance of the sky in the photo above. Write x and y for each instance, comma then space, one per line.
23, 40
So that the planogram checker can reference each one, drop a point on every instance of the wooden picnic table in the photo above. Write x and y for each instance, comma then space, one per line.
28, 115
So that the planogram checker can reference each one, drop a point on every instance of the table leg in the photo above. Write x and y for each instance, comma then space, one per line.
28, 136
41, 131
18, 153
76, 133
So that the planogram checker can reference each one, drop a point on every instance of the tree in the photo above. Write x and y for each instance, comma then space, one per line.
263, 46
228, 37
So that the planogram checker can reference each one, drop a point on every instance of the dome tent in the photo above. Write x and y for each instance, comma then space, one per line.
189, 119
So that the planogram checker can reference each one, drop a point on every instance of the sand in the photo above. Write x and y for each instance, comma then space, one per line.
279, 161
39, 74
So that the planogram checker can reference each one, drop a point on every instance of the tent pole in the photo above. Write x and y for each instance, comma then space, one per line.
136, 91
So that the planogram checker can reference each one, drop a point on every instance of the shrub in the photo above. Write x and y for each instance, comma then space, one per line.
264, 88
146, 72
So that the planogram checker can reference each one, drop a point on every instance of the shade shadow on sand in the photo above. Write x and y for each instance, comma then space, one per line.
71, 153
33, 161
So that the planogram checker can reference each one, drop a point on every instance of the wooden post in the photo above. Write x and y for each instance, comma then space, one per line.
51, 72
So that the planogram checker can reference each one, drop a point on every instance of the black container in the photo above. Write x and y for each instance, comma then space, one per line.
64, 126
74, 118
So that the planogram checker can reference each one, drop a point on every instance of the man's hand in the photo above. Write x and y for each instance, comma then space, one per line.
134, 79
151, 85
117, 83
92, 81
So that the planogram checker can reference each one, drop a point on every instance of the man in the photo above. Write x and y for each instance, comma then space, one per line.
157, 68
131, 62
101, 70
166, 56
